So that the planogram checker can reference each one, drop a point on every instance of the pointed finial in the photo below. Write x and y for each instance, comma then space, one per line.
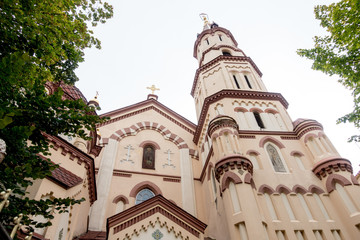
153, 88
94, 102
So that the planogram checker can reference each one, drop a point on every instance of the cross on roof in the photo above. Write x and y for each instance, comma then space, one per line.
153, 88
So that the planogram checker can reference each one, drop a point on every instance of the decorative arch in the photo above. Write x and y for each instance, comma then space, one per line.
299, 189
240, 109
272, 140
121, 198
142, 185
266, 189
315, 189
252, 152
270, 110
229, 176
283, 189
308, 136
248, 178
255, 109
222, 132
293, 153
157, 147
137, 127
336, 178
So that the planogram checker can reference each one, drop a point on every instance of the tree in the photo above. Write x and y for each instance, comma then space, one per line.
339, 52
41, 43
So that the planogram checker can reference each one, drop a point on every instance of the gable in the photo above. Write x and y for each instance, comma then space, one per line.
159, 216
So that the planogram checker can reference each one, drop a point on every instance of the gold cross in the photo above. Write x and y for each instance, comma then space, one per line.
153, 88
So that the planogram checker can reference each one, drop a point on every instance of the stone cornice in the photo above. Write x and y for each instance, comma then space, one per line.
212, 31
149, 104
231, 93
231, 162
328, 166
217, 48
157, 204
221, 122
82, 157
306, 126
222, 58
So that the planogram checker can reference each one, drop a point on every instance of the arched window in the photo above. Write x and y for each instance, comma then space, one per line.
148, 157
275, 158
258, 120
236, 82
143, 195
226, 53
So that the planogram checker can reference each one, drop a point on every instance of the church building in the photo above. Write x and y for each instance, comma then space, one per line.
245, 170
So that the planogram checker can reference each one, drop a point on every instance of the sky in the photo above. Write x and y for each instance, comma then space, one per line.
151, 42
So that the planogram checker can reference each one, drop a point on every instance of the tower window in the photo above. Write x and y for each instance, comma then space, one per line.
207, 41
258, 120
248, 82
226, 53
220, 38
236, 82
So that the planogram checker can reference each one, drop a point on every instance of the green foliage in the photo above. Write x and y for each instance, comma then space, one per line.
339, 52
41, 42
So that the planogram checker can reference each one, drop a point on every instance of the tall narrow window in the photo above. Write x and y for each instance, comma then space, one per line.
207, 41
258, 120
119, 206
305, 206
287, 206
148, 157
300, 235
143, 195
318, 235
254, 160
345, 197
265, 231
243, 233
280, 235
236, 82
220, 38
336, 234
248, 82
321, 206
270, 206
299, 162
234, 197
275, 159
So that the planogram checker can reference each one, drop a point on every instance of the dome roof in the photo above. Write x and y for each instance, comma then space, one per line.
71, 92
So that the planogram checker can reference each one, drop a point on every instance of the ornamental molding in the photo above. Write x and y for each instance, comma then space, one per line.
230, 93
218, 59
232, 162
329, 166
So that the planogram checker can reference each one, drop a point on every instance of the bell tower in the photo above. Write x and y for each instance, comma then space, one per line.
263, 174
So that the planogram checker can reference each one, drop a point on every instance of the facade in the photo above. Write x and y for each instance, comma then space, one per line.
246, 170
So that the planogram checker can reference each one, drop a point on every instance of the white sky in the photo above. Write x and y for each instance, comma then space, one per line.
151, 42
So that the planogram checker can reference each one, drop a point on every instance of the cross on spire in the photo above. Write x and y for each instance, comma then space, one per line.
153, 88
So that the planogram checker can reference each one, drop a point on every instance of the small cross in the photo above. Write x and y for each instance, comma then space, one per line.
129, 148
168, 152
153, 88
97, 94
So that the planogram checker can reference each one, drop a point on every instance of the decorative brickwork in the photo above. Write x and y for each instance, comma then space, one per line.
329, 166
232, 162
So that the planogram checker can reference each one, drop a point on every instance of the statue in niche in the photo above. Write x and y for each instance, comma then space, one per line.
148, 157
275, 159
